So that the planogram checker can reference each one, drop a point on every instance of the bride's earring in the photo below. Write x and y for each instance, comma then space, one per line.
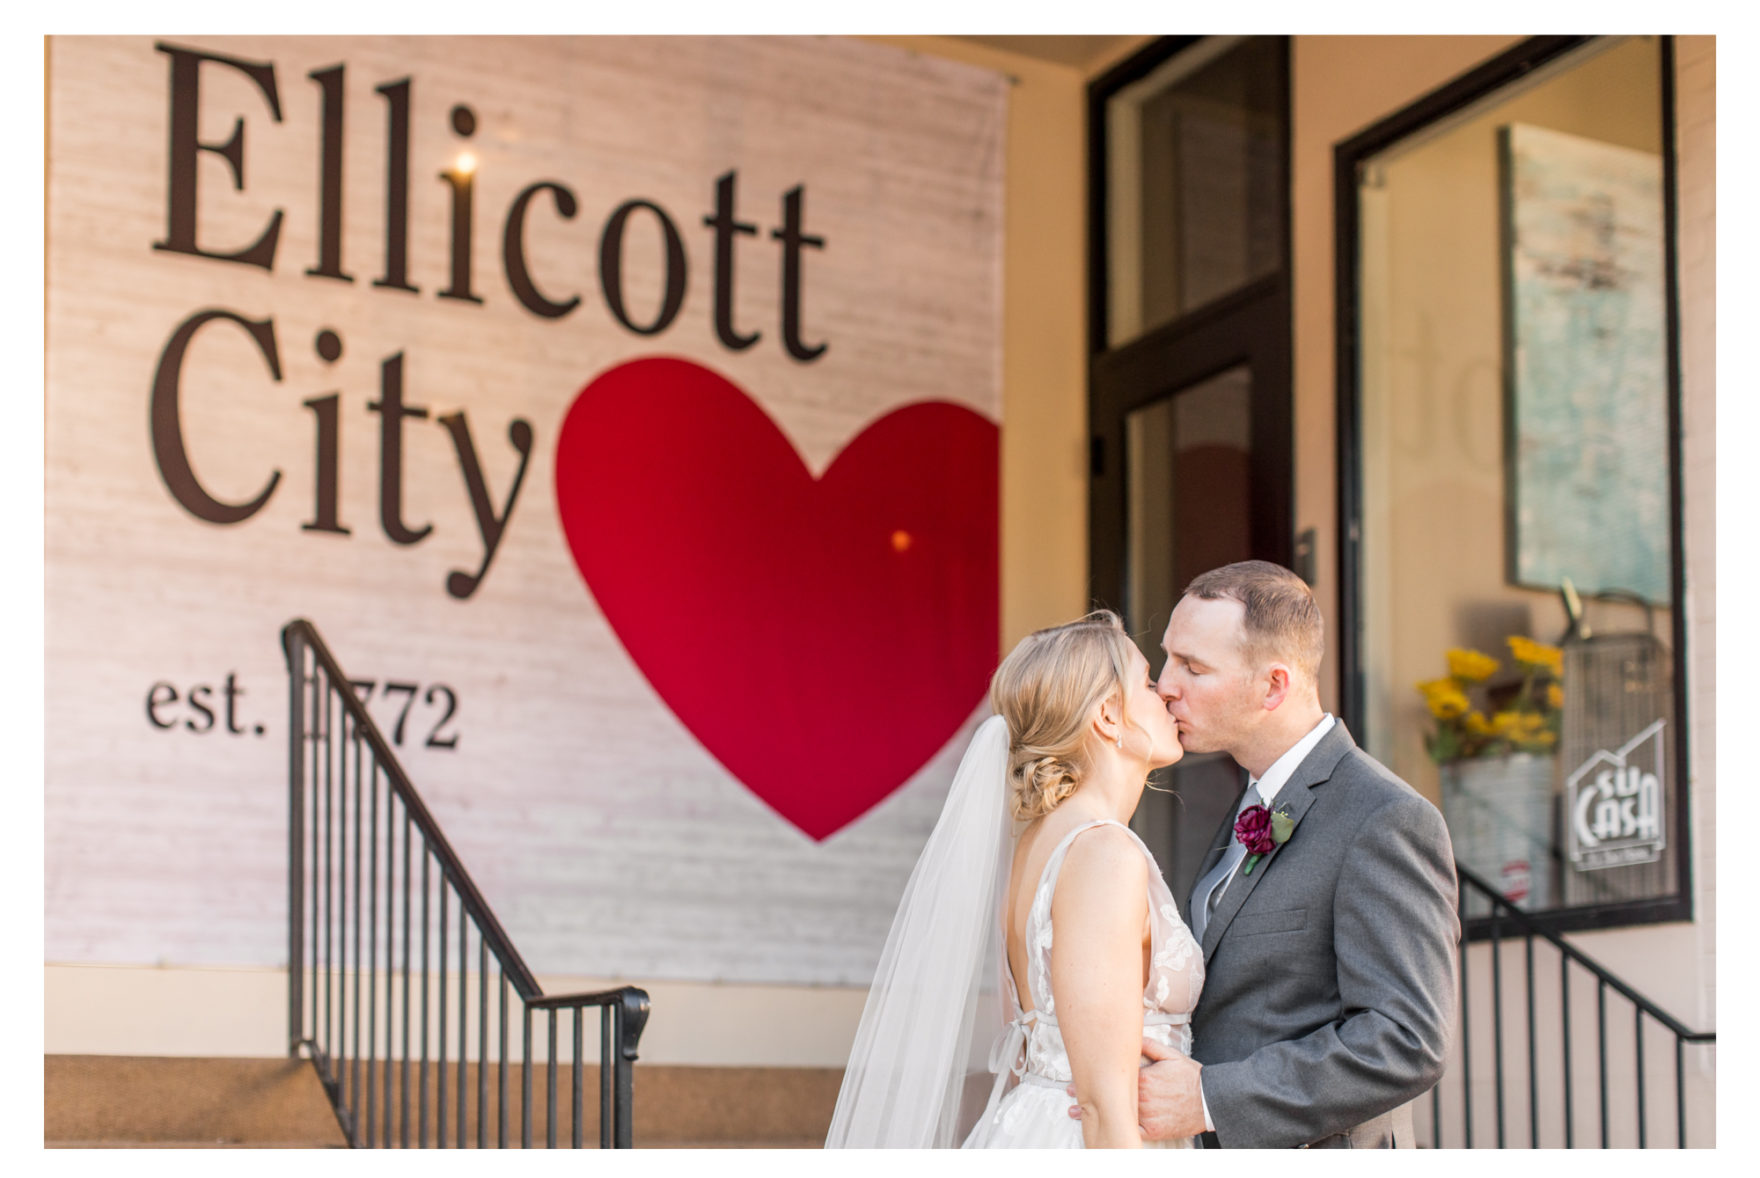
1120, 741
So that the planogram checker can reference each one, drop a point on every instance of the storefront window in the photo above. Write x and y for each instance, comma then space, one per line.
1515, 513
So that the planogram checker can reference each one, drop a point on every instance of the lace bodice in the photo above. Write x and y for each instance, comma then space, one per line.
1032, 1044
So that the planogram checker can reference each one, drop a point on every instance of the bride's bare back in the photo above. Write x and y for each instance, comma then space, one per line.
1032, 849
1082, 892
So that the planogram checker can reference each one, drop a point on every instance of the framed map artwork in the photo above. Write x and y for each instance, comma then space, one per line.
1586, 420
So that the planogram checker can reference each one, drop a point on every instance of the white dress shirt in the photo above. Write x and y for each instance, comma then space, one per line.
1268, 786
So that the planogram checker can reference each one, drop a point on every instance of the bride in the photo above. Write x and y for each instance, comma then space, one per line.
1078, 727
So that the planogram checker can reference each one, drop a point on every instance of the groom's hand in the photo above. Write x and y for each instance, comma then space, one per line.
1169, 1103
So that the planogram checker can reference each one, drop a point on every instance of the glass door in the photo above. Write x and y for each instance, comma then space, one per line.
1189, 382
1188, 479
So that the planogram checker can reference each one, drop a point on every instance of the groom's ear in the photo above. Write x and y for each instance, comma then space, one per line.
1278, 681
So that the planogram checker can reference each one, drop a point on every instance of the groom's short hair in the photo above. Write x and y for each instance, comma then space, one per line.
1281, 620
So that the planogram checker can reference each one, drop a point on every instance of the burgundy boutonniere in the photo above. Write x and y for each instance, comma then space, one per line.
1260, 831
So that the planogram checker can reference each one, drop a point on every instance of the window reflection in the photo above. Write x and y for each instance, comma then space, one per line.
1512, 333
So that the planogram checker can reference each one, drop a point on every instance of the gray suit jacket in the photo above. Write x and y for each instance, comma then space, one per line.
1330, 970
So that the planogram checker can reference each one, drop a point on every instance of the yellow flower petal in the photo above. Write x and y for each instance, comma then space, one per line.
1449, 703
1470, 665
1536, 654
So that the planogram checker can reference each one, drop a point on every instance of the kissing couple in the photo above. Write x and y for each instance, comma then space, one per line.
1304, 1000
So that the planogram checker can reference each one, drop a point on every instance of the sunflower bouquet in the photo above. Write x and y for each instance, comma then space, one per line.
1527, 723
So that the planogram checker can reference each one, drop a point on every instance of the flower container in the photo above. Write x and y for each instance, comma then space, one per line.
1499, 813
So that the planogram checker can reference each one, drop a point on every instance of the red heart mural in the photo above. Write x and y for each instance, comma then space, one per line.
823, 638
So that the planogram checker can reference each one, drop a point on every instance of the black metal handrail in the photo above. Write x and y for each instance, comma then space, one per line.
1528, 929
337, 750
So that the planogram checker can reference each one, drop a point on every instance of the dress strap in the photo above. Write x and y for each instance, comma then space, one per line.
1054, 863
1160, 899
1039, 915
1058, 851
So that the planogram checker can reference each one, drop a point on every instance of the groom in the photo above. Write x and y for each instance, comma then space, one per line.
1330, 963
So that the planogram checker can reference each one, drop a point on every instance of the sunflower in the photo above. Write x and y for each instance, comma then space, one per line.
1537, 655
1470, 666
1527, 722
1445, 698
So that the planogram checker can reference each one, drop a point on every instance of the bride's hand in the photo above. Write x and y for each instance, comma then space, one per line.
1075, 1111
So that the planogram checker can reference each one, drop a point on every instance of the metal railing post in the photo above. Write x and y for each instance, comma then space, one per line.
1497, 1019
1533, 1056
1564, 983
578, 1079
607, 1022
1680, 1092
525, 1079
296, 827
1601, 1026
1466, 1031
1638, 1043
550, 1086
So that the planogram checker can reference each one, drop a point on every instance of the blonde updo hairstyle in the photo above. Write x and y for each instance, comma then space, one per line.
1046, 690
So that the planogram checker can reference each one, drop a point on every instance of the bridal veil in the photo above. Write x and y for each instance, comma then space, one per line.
919, 1069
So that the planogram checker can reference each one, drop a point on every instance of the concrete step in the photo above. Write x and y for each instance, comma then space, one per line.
794, 1143
144, 1100
183, 1145
96, 1101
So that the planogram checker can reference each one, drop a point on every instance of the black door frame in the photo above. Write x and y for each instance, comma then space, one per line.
1249, 326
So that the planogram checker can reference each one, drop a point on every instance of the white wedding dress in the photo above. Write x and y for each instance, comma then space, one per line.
919, 1076
1034, 1114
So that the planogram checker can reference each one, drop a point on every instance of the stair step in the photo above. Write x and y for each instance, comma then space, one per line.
185, 1145
93, 1101
146, 1100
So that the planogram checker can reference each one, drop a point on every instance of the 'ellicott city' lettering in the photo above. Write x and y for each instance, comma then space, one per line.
539, 298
